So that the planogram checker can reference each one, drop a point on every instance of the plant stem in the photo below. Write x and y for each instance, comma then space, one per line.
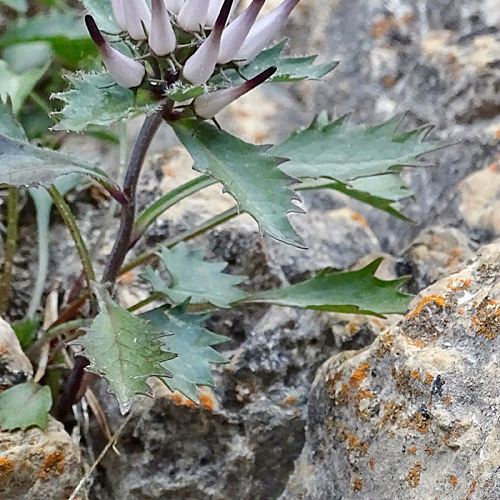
184, 236
122, 242
165, 202
70, 222
10, 247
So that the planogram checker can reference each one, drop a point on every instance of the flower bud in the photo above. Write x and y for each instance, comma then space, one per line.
208, 105
119, 14
161, 37
200, 66
174, 6
214, 10
137, 17
193, 15
126, 72
234, 35
265, 29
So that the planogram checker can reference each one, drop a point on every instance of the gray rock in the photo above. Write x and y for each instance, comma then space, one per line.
36, 464
415, 415
15, 367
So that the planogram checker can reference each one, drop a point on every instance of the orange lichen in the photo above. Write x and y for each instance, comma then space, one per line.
6, 468
453, 480
354, 443
493, 167
357, 484
388, 81
429, 451
436, 299
53, 464
429, 378
461, 311
461, 284
359, 375
359, 218
448, 400
3, 350
415, 374
127, 277
412, 450
372, 463
392, 411
382, 26
420, 343
472, 490
179, 399
366, 394
207, 401
454, 258
288, 401
413, 476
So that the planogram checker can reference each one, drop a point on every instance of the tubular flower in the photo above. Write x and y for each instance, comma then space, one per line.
265, 29
137, 18
162, 36
193, 15
127, 72
208, 105
119, 14
211, 40
200, 66
174, 6
234, 35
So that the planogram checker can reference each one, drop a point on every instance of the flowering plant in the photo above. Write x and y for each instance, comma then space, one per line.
181, 62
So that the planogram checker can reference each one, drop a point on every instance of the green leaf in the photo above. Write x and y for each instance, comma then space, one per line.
9, 126
25, 165
195, 279
102, 12
65, 31
20, 6
25, 405
26, 330
357, 292
22, 57
335, 151
193, 344
249, 174
289, 69
96, 99
16, 87
382, 191
181, 92
125, 350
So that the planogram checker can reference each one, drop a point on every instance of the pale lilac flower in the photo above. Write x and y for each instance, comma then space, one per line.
119, 14
208, 105
126, 72
265, 29
193, 15
234, 35
200, 66
137, 18
161, 37
214, 10
174, 6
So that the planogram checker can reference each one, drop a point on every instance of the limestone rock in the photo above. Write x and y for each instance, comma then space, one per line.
415, 415
39, 465
15, 367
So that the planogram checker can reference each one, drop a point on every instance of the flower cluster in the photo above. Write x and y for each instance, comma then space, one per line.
187, 41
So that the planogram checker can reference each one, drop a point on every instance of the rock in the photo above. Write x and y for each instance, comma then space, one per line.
15, 367
434, 254
36, 464
415, 414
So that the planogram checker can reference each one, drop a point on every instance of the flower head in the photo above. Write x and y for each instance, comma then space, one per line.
161, 37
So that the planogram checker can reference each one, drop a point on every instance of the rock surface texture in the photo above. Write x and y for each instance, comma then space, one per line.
415, 415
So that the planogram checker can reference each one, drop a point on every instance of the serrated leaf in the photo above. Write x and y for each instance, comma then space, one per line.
338, 152
15, 87
22, 164
102, 12
249, 174
125, 350
65, 31
95, 99
383, 191
9, 126
193, 344
289, 69
25, 405
356, 292
195, 279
